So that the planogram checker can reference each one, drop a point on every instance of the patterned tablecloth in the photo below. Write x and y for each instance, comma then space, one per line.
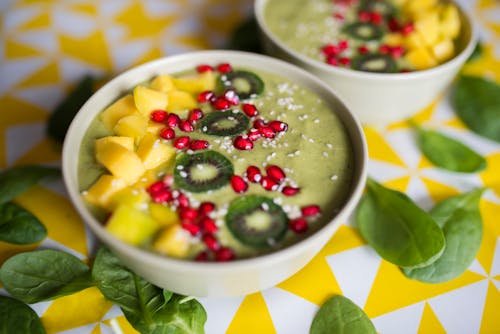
48, 45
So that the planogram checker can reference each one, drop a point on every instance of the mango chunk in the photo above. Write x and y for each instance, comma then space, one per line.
147, 100
122, 107
180, 101
131, 225
131, 196
120, 161
428, 27
133, 126
126, 142
154, 128
164, 215
443, 50
101, 192
196, 84
413, 41
163, 83
172, 241
421, 58
450, 21
418, 7
154, 152
393, 39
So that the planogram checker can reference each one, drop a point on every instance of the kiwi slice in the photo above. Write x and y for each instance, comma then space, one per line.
246, 84
203, 171
374, 62
365, 31
224, 123
256, 221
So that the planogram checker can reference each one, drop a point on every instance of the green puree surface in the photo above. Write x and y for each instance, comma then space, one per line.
315, 153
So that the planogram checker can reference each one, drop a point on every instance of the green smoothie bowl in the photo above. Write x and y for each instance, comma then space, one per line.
387, 59
215, 173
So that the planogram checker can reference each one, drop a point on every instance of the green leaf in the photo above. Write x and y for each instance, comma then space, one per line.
477, 52
340, 315
18, 226
477, 103
243, 37
17, 317
460, 219
17, 180
398, 230
64, 113
448, 153
42, 275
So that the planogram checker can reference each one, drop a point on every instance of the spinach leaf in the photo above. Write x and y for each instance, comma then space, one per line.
398, 230
43, 275
448, 153
17, 317
244, 38
19, 226
17, 180
340, 315
477, 52
460, 219
477, 103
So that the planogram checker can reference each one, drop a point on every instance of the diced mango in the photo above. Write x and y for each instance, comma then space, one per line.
443, 50
450, 21
147, 100
164, 215
173, 241
428, 27
133, 126
154, 152
393, 39
163, 83
154, 127
413, 41
418, 7
196, 84
131, 225
126, 142
102, 191
123, 107
120, 161
131, 196
421, 58
180, 100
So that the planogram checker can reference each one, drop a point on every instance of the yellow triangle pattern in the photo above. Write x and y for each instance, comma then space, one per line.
45, 151
491, 321
486, 4
7, 250
252, 317
430, 323
425, 115
195, 42
47, 75
151, 54
424, 163
400, 184
455, 122
439, 191
490, 175
378, 149
15, 50
96, 330
92, 49
84, 8
38, 22
487, 64
491, 232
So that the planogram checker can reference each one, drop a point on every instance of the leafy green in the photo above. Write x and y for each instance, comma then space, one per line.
340, 315
477, 103
17, 317
17, 180
19, 226
448, 153
460, 219
398, 230
43, 275
477, 52
243, 37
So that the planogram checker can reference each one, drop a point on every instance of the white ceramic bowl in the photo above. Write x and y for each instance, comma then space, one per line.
377, 98
212, 279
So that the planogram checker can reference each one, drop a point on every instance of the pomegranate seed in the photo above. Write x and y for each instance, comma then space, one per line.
243, 144
330, 50
290, 191
168, 180
393, 25
384, 49
279, 126
208, 225
210, 242
232, 97
191, 227
275, 172
206, 208
172, 120
181, 142
195, 115
338, 16
310, 210
364, 16
250, 110
224, 68
332, 61
343, 45
182, 200
206, 96
363, 49
204, 68
407, 28
238, 183
224, 254
253, 134
397, 51
155, 187
375, 17
186, 126
188, 213
269, 183
405, 70
298, 225
253, 174
267, 132
259, 123
221, 103
202, 256
159, 116
198, 144
161, 196
345, 61
167, 133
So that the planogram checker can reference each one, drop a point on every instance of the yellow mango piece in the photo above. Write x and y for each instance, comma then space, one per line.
180, 101
134, 197
196, 84
163, 83
126, 142
413, 41
450, 21
120, 161
133, 126
131, 225
122, 107
164, 215
418, 7
172, 241
393, 39
428, 27
443, 50
154, 152
147, 100
421, 58
154, 128
101, 191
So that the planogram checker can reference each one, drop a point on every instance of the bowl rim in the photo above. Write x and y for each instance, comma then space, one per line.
259, 6
72, 142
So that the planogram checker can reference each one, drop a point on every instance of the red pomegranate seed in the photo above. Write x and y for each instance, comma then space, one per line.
269, 183
393, 25
181, 142
364, 16
232, 97
310, 210
155, 187
363, 49
397, 51
338, 16
259, 123
250, 110
167, 133
275, 172
159, 116
221, 103
172, 120
224, 254
330, 50
298, 225
384, 49
182, 200
168, 180
332, 61
290, 191
206, 96
253, 174
195, 115
376, 17
267, 132
202, 256
210, 242
238, 183
188, 213
407, 28
345, 61
198, 144
243, 144
208, 225
191, 227
206, 208
186, 126
253, 134
224, 68
161, 196
204, 68
279, 126
343, 45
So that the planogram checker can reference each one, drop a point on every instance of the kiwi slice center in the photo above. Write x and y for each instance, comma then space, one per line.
258, 221
203, 172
